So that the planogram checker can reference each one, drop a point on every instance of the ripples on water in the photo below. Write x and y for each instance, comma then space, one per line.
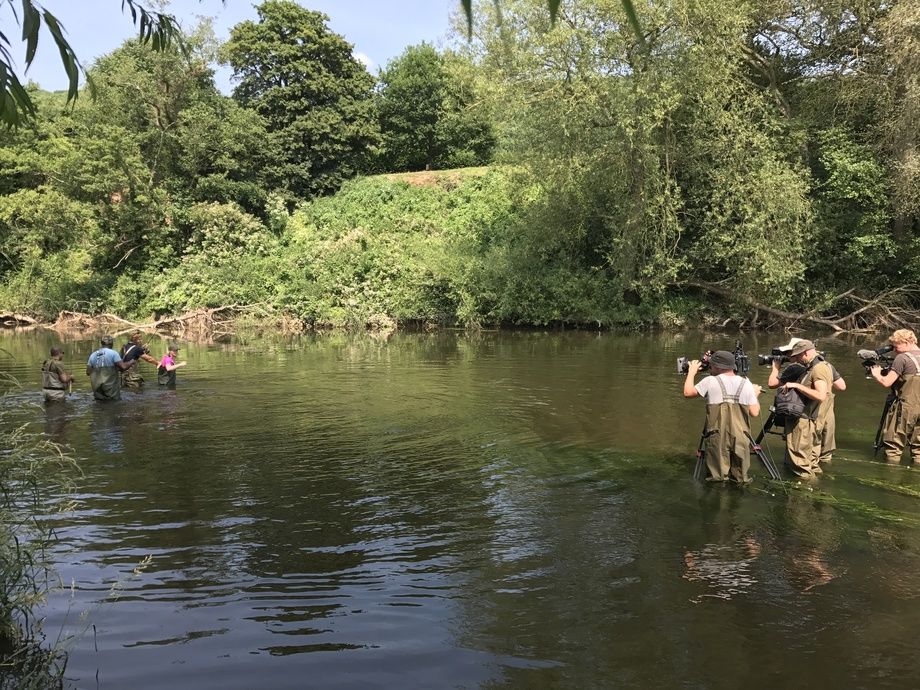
507, 510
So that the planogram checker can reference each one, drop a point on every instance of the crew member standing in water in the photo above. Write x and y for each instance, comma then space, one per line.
166, 372
730, 402
104, 369
902, 424
132, 352
55, 379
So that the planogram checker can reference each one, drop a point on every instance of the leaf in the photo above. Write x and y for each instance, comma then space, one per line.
15, 104
468, 10
633, 18
69, 59
31, 23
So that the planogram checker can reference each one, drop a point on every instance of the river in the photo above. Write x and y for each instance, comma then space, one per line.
461, 510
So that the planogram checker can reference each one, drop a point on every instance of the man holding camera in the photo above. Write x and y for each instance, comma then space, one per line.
730, 402
902, 425
826, 425
803, 434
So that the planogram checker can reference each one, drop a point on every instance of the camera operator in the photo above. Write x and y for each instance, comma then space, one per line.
730, 402
902, 425
827, 425
813, 382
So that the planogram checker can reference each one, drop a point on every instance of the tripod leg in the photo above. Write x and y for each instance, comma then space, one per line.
699, 470
881, 425
767, 425
767, 462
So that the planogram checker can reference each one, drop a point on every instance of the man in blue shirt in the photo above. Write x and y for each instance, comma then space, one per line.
104, 369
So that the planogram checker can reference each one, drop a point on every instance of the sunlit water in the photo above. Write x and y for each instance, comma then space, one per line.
464, 510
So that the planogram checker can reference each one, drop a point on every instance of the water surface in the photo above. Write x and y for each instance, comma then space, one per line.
464, 510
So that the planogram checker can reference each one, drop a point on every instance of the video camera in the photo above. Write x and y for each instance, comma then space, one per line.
780, 355
742, 362
777, 354
879, 357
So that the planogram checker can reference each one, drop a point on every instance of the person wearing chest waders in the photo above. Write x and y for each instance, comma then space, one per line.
131, 353
104, 369
902, 424
166, 371
803, 433
731, 401
55, 379
826, 425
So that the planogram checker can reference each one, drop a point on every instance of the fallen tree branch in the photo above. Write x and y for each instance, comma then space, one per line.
786, 315
891, 309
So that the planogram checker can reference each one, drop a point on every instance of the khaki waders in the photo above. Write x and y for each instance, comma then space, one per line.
804, 434
902, 425
131, 378
54, 390
728, 450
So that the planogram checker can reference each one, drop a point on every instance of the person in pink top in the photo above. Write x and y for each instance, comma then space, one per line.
166, 371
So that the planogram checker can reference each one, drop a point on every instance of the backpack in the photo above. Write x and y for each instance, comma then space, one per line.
789, 403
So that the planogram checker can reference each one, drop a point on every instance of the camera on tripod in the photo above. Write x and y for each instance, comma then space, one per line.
742, 362
876, 358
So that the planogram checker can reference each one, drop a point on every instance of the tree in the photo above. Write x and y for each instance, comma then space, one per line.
193, 140
425, 106
314, 95
156, 28
657, 165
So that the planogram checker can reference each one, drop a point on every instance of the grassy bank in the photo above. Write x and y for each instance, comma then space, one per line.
445, 247
456, 247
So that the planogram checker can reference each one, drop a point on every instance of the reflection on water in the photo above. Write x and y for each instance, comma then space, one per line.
454, 510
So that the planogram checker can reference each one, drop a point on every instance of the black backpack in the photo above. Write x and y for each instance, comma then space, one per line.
789, 403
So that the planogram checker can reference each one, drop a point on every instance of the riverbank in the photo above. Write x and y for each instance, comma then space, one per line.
456, 248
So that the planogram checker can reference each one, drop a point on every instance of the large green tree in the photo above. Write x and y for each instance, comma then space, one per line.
314, 95
428, 113
657, 165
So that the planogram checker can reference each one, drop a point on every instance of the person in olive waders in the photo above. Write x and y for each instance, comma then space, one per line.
730, 402
902, 424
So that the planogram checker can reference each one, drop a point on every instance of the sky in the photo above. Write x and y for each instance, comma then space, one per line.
379, 29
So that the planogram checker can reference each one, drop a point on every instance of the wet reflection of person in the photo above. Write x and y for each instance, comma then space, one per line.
56, 423
106, 429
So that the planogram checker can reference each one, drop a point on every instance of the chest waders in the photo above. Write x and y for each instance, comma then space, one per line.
902, 426
132, 377
803, 443
727, 437
826, 427
52, 387
106, 383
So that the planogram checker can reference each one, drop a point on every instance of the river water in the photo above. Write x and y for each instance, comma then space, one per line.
457, 510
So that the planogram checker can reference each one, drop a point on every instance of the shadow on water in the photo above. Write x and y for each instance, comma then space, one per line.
454, 510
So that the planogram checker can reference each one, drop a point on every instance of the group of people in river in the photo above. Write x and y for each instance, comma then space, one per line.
109, 370
804, 408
